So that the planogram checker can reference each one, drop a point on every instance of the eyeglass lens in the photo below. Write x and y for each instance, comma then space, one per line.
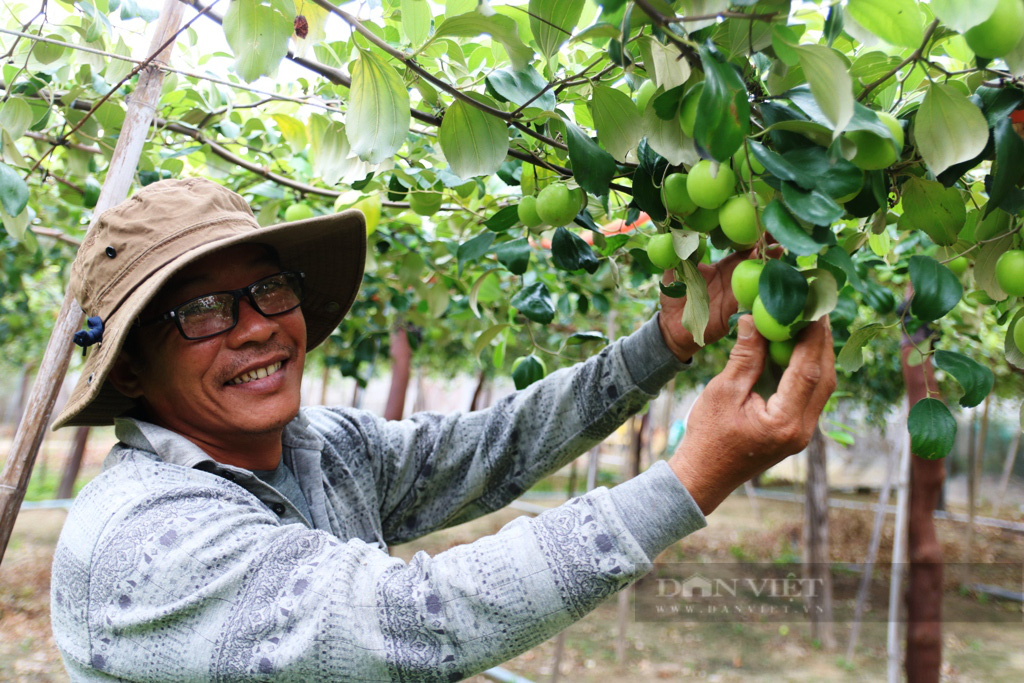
207, 315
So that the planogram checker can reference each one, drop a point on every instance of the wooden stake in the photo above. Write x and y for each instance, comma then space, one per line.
1004, 481
141, 107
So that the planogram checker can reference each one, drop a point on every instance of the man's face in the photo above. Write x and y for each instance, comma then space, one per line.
192, 387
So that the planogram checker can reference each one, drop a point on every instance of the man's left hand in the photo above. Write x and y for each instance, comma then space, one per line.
721, 302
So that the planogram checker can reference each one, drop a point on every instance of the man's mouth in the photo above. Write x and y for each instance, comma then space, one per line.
258, 373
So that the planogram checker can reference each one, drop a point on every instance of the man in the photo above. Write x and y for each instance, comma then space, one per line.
232, 535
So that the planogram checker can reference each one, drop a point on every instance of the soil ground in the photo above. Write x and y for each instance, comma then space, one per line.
681, 651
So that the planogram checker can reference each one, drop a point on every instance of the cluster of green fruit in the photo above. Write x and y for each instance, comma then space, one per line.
556, 205
745, 287
1010, 276
706, 200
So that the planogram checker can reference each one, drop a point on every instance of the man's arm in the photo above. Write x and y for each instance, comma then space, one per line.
435, 470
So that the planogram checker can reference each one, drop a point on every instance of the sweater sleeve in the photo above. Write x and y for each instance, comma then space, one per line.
164, 573
436, 470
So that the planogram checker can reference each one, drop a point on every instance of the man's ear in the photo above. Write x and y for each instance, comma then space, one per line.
124, 376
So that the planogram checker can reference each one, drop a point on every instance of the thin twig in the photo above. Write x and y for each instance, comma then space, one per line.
914, 56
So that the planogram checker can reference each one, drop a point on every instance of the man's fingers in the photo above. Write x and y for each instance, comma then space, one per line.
746, 361
803, 376
827, 384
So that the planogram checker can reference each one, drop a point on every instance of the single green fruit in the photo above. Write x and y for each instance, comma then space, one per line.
675, 197
557, 205
688, 112
958, 266
738, 219
370, 206
298, 212
425, 203
1000, 33
742, 167
781, 351
744, 282
873, 151
1010, 272
710, 191
703, 220
661, 251
527, 210
1018, 335
644, 94
770, 328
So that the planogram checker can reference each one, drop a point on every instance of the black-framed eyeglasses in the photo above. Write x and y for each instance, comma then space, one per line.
217, 312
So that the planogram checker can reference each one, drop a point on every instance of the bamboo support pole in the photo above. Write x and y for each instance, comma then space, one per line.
140, 112
899, 554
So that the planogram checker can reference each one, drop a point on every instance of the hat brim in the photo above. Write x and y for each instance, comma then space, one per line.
330, 250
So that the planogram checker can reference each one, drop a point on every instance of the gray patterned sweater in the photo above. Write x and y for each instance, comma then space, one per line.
173, 567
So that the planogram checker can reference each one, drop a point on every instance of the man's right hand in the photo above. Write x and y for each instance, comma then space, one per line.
733, 433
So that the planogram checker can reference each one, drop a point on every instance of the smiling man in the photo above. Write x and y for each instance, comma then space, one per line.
234, 536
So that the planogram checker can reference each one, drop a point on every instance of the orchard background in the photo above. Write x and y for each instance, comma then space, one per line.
517, 160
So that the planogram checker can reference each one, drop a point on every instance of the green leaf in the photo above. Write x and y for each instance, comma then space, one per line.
822, 294
837, 261
814, 207
332, 156
500, 28
781, 225
816, 171
988, 255
829, 78
975, 378
897, 22
723, 112
569, 252
486, 337
1008, 169
528, 369
851, 357
16, 117
959, 15
474, 248
949, 128
619, 125
697, 311
552, 22
520, 87
16, 226
937, 210
258, 36
665, 63
503, 219
578, 338
535, 303
685, 242
378, 111
474, 291
474, 142
293, 130
668, 139
514, 255
936, 289
783, 291
932, 429
778, 166
117, 69
416, 16
13, 191
592, 167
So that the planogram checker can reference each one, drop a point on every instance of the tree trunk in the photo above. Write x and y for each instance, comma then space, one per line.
123, 164
816, 553
401, 367
478, 393
73, 464
924, 588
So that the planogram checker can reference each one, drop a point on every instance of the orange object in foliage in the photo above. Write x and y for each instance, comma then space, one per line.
1017, 119
613, 228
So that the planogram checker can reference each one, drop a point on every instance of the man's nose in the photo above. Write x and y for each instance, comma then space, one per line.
252, 325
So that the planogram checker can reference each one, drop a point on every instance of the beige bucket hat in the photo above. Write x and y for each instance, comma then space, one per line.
135, 247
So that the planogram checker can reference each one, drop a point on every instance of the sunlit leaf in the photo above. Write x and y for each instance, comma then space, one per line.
474, 142
619, 124
378, 115
258, 35
949, 128
898, 22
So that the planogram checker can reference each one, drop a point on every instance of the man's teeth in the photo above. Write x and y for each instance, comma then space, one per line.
259, 373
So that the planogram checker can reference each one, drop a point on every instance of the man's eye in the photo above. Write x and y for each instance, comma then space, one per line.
206, 305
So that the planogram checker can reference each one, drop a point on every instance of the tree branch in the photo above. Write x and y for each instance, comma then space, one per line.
914, 56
